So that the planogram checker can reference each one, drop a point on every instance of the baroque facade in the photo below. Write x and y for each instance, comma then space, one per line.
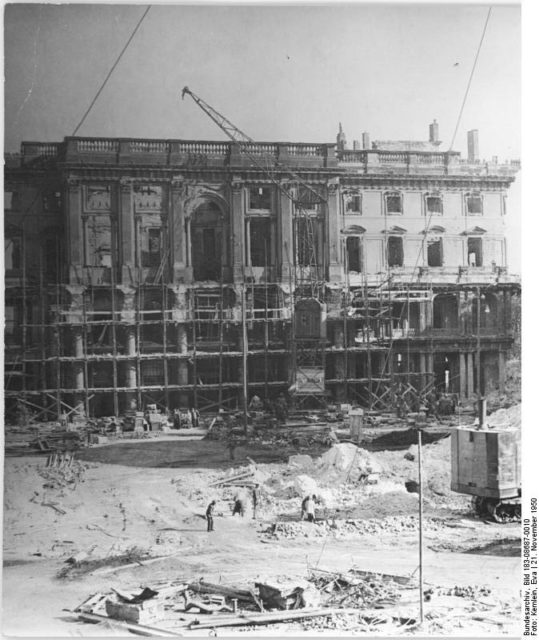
165, 272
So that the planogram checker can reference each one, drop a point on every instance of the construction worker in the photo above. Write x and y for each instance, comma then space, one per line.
256, 404
303, 508
209, 515
239, 507
254, 495
281, 408
231, 446
309, 508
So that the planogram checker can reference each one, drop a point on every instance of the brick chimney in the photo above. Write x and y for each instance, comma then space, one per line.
366, 140
433, 132
473, 145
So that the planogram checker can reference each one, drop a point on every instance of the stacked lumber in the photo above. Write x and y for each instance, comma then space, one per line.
243, 479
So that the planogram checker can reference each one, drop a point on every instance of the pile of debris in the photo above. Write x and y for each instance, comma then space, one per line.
61, 470
392, 526
204, 605
358, 588
42, 438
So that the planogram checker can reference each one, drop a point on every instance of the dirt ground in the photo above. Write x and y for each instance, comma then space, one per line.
146, 499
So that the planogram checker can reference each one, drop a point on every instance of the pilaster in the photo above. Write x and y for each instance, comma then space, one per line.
75, 236
177, 224
126, 230
237, 219
285, 244
333, 228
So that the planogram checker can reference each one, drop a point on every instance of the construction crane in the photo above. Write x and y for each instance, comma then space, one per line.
308, 345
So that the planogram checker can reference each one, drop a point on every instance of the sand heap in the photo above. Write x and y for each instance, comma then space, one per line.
509, 418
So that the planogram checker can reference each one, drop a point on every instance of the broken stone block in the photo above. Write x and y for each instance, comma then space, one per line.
141, 613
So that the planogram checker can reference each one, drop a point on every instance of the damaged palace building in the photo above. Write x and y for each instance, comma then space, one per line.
180, 273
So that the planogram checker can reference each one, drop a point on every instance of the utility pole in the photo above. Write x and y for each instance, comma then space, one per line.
420, 465
244, 353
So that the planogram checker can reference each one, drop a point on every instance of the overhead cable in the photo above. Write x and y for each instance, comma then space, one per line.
470, 79
111, 70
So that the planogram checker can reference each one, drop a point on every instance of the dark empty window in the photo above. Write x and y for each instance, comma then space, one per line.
152, 257
354, 253
353, 204
394, 203
260, 241
474, 205
434, 205
309, 198
12, 253
434, 253
475, 252
445, 312
395, 253
259, 198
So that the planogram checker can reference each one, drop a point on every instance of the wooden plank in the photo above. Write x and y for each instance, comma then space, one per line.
139, 629
268, 618
209, 587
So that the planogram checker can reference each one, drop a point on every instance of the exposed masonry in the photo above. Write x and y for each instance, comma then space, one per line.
132, 266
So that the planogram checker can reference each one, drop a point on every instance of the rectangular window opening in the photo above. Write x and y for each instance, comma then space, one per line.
260, 198
434, 205
434, 253
354, 252
12, 253
353, 204
8, 200
475, 252
474, 205
394, 204
395, 252
309, 199
151, 249
260, 241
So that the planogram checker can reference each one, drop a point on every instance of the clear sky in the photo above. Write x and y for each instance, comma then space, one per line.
278, 72
289, 73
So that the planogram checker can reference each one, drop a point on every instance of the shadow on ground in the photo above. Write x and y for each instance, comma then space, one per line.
186, 454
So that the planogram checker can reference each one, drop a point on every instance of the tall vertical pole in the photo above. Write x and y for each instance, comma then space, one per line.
478, 354
420, 464
244, 353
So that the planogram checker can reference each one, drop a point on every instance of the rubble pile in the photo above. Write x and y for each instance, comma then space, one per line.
204, 605
351, 590
509, 418
389, 526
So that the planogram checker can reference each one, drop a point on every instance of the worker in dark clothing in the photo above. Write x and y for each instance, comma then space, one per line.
307, 507
255, 501
209, 515
231, 446
239, 507
281, 408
